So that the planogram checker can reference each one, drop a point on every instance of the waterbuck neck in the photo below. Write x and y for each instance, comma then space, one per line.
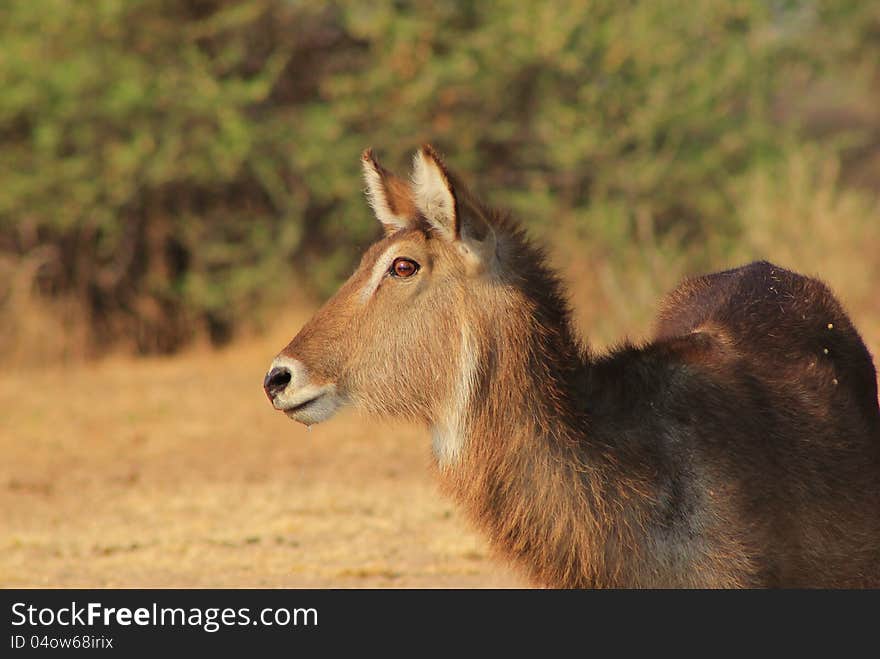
513, 446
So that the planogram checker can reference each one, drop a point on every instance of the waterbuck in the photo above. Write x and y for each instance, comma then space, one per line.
739, 448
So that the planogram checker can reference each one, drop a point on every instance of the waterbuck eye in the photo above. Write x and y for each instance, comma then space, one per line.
403, 267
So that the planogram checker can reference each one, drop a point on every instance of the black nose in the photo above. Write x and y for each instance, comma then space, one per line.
276, 380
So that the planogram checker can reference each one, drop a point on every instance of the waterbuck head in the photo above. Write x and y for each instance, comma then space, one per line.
399, 337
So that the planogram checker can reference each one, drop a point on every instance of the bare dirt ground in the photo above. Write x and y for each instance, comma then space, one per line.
177, 473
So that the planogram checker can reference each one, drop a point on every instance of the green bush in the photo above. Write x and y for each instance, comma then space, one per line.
176, 165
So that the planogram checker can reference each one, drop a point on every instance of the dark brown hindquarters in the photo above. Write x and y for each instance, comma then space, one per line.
812, 476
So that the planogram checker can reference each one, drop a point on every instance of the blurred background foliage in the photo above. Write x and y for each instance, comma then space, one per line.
171, 169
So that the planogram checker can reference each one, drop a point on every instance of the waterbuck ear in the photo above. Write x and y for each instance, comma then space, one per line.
390, 197
448, 207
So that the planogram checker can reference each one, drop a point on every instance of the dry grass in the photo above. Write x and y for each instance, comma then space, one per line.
177, 473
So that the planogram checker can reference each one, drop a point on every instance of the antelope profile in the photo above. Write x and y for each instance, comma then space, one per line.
740, 447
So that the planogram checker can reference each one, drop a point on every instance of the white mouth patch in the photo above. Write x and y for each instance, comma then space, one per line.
302, 400
316, 409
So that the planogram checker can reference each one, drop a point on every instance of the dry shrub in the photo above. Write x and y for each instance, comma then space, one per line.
796, 214
615, 287
799, 216
35, 329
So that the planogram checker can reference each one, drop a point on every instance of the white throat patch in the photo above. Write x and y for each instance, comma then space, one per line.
449, 433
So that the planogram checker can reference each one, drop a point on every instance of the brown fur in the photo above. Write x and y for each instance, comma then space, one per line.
731, 451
